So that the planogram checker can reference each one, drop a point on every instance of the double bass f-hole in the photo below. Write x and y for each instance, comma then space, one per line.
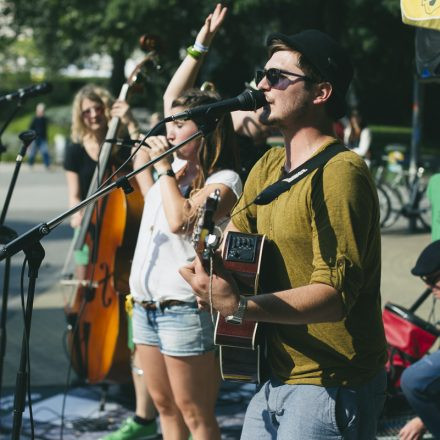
105, 302
90, 290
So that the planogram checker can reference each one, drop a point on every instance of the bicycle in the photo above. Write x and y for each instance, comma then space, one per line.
384, 205
406, 195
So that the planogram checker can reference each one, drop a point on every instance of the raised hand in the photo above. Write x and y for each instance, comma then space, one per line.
121, 109
212, 25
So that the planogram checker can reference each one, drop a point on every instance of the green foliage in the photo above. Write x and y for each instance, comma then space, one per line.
383, 136
382, 48
386, 138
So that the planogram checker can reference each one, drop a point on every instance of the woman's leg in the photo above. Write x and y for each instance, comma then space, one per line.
156, 378
144, 403
194, 381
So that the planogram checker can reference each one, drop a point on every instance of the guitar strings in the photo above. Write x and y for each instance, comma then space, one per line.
211, 275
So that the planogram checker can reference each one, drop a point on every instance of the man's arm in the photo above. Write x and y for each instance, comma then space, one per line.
302, 305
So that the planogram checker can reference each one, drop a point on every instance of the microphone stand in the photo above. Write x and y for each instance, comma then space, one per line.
29, 243
6, 235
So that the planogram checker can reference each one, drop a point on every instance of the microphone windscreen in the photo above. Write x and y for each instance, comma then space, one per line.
251, 99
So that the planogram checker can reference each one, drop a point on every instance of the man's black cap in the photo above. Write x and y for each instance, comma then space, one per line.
428, 261
327, 56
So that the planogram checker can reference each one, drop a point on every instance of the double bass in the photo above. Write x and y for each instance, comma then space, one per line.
97, 324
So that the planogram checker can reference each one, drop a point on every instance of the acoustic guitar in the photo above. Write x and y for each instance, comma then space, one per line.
241, 346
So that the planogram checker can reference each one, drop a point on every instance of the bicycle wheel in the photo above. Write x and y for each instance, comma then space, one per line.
396, 203
424, 209
384, 205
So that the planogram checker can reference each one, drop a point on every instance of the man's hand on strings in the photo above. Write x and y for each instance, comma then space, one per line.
225, 294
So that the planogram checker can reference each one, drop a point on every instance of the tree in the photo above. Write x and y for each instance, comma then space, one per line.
66, 31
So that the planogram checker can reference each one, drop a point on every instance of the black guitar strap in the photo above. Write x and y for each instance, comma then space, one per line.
273, 191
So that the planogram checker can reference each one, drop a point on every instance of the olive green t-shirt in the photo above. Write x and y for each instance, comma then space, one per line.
324, 229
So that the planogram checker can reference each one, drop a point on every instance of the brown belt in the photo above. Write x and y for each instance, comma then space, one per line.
149, 305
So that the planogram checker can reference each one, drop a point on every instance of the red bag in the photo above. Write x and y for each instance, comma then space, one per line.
409, 338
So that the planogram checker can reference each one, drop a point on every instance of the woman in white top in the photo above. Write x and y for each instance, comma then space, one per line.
357, 136
174, 339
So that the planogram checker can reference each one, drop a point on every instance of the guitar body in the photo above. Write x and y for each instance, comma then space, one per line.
240, 346
240, 364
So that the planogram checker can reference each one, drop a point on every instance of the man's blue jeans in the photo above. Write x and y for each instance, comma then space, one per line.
421, 385
42, 146
303, 412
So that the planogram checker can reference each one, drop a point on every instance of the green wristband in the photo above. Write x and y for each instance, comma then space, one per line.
196, 54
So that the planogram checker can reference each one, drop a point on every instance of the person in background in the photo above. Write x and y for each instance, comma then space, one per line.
420, 382
433, 194
93, 108
322, 309
338, 129
39, 125
357, 136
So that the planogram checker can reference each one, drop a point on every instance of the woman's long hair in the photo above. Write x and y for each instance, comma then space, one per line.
96, 94
219, 149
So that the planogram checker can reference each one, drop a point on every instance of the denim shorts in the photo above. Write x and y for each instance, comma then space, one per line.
179, 330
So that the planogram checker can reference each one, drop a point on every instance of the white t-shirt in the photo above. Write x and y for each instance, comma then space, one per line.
160, 253
362, 145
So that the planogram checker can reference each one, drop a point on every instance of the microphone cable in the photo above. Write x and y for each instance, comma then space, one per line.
26, 342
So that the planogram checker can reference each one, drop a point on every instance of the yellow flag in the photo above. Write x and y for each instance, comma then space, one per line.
422, 13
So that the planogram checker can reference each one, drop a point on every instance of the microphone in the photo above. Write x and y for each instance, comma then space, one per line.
26, 137
28, 92
248, 100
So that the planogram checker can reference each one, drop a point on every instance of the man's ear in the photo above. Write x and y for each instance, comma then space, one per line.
323, 91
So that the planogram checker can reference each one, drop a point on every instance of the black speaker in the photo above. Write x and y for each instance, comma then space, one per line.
428, 53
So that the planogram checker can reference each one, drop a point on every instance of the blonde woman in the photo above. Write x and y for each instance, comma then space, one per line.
93, 108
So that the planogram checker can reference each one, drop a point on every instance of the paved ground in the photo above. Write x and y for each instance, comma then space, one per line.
41, 196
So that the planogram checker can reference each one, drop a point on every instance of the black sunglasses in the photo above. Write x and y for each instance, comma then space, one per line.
431, 279
274, 75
